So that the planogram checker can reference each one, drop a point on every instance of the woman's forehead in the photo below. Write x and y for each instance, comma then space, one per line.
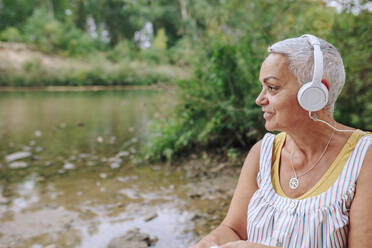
275, 66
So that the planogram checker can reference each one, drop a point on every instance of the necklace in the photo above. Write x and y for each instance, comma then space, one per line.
293, 181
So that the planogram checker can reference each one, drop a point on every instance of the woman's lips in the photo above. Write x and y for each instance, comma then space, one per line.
267, 115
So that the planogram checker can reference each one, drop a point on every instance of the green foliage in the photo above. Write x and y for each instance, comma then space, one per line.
354, 106
11, 34
50, 35
218, 105
123, 51
183, 53
160, 40
154, 55
13, 13
32, 65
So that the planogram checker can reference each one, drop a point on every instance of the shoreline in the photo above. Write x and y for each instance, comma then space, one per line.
159, 86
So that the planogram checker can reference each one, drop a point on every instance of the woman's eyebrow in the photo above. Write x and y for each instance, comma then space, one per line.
270, 77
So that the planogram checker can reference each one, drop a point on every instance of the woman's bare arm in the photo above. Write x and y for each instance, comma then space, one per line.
234, 226
360, 234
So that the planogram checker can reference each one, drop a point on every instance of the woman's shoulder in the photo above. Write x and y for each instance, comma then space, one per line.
252, 160
259, 149
368, 133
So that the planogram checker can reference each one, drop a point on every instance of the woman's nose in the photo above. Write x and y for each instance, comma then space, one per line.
262, 99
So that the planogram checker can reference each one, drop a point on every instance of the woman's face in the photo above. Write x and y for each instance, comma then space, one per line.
278, 97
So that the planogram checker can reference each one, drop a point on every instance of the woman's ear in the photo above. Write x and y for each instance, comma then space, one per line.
326, 83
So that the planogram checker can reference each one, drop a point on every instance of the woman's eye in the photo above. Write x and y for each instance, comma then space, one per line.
272, 88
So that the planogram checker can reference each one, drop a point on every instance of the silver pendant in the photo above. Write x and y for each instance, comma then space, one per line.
293, 183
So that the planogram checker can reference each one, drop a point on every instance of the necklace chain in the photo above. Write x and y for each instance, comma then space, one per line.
294, 182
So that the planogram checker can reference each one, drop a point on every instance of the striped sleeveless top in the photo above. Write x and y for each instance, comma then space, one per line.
317, 221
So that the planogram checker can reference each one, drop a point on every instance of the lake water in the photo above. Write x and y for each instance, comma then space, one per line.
78, 181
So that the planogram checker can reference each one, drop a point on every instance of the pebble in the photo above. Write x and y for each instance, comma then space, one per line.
156, 167
114, 160
90, 163
122, 154
218, 168
26, 148
39, 149
69, 166
126, 179
18, 164
115, 165
38, 133
112, 140
195, 195
121, 205
84, 155
36, 246
133, 239
16, 156
150, 217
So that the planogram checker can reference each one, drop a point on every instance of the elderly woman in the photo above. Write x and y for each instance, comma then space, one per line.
310, 185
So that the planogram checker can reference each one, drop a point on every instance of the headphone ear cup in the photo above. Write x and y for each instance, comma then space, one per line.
312, 98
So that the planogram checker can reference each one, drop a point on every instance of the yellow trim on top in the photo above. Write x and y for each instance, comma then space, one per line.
328, 179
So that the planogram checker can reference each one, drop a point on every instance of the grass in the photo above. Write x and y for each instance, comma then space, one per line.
24, 66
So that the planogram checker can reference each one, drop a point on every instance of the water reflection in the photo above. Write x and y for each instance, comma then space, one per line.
80, 184
170, 224
27, 194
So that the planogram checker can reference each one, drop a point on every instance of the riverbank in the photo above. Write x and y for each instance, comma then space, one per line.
188, 208
23, 65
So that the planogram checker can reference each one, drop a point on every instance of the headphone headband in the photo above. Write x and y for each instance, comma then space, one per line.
318, 58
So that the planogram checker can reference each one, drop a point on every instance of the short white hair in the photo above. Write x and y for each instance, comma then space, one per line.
300, 54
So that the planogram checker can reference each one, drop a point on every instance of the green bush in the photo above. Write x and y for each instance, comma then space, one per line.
32, 65
183, 53
123, 51
218, 108
154, 55
354, 106
11, 34
51, 35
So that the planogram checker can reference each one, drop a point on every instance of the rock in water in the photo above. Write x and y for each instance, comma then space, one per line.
150, 216
69, 166
18, 164
132, 239
16, 156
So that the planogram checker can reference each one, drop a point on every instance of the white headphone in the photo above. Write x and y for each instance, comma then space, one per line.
313, 96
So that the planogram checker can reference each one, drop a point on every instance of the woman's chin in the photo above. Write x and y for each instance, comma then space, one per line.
269, 127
